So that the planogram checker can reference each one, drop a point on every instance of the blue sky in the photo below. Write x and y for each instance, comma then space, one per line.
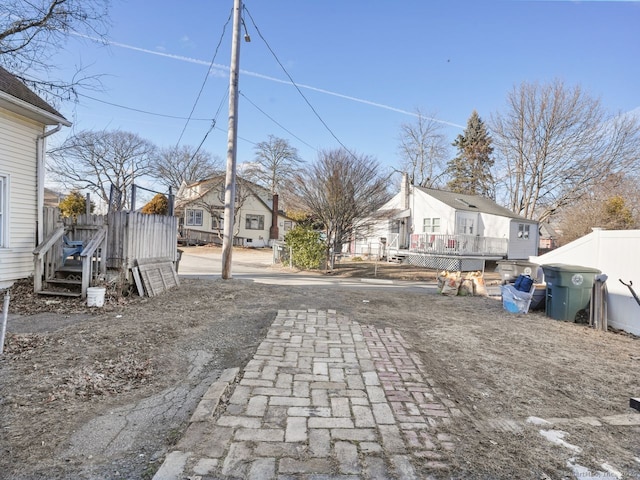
370, 64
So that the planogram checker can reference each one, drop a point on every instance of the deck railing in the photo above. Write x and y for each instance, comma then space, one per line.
470, 245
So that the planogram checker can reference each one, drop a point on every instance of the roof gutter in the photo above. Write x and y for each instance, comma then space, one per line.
21, 107
40, 149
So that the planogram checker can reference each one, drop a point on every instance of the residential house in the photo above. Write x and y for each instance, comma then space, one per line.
548, 237
24, 118
258, 222
425, 222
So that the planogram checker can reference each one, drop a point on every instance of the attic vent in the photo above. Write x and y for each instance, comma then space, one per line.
464, 202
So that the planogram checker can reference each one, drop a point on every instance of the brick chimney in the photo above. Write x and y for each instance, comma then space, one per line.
273, 231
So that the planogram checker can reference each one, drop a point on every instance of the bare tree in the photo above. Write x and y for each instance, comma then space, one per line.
275, 161
556, 143
31, 32
96, 160
174, 165
614, 204
423, 149
342, 192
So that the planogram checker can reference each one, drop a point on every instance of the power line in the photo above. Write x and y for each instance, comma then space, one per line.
276, 122
296, 86
141, 111
215, 54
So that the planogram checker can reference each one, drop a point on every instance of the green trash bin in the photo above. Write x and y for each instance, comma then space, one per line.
568, 290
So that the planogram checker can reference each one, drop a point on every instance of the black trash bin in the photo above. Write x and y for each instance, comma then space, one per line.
568, 290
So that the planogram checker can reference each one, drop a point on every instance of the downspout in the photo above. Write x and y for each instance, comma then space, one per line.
40, 150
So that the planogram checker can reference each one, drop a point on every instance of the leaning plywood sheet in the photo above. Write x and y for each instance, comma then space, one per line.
157, 275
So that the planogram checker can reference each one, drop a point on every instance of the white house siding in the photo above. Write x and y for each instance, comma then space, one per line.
614, 253
425, 206
494, 226
18, 161
254, 238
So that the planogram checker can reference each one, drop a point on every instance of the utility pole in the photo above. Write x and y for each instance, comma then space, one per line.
232, 138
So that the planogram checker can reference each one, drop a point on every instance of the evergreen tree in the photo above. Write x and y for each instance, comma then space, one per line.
74, 204
470, 171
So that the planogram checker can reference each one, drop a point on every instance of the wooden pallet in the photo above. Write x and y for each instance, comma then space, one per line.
155, 275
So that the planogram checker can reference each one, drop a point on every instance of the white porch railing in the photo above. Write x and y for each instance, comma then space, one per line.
443, 244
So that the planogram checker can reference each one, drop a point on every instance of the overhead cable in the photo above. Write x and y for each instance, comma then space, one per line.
206, 77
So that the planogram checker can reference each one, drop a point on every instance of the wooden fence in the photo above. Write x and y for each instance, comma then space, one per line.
130, 235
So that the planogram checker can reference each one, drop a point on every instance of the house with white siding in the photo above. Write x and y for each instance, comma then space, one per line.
438, 229
257, 223
24, 118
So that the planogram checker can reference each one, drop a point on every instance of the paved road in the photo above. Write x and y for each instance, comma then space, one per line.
257, 266
323, 397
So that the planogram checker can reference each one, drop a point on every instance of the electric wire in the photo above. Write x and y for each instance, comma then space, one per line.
296, 85
275, 121
141, 111
213, 125
206, 77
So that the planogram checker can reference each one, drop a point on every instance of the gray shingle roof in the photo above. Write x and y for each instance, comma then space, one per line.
10, 85
471, 203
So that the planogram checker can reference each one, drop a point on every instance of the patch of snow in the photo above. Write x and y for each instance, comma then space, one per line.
537, 421
556, 436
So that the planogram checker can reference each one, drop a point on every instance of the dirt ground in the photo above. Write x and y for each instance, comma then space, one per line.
66, 365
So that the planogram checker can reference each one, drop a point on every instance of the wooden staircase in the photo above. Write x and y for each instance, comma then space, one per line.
67, 281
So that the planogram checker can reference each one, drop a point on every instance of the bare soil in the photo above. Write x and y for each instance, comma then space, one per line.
66, 365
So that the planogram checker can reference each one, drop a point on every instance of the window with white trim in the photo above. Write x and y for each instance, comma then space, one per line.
254, 222
4, 211
431, 225
194, 217
523, 230
217, 221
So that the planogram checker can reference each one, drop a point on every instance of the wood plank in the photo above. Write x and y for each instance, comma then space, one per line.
138, 280
55, 293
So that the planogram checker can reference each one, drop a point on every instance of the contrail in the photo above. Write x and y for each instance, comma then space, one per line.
265, 77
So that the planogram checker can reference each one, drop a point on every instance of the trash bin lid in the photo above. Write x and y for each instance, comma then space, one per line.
562, 267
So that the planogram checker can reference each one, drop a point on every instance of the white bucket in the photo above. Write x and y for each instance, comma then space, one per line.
95, 296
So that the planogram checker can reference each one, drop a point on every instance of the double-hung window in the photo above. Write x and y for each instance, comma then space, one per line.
254, 222
194, 217
431, 225
217, 221
523, 230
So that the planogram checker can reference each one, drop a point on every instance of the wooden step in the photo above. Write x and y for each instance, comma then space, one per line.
70, 269
59, 293
65, 281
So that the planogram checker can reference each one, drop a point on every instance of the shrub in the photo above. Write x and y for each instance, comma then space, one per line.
308, 250
158, 205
